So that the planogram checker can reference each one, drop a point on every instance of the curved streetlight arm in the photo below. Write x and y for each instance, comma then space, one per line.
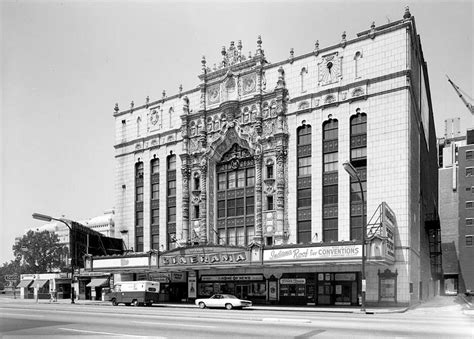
354, 173
44, 217
48, 218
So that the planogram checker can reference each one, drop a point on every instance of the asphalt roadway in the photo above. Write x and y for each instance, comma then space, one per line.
442, 317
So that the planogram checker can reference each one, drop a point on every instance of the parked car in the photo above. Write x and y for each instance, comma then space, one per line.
228, 301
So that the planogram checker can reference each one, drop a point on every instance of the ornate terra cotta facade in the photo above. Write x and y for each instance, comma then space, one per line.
251, 160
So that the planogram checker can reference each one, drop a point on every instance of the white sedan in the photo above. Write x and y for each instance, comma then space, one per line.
228, 301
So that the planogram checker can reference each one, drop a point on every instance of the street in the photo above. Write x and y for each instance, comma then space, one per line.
442, 317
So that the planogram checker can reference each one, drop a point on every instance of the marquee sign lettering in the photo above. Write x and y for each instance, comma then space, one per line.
313, 253
204, 259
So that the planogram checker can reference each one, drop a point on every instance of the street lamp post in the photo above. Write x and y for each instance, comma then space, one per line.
48, 218
352, 171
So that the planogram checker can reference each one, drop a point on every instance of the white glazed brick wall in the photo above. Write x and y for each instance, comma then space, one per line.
125, 197
168, 121
383, 55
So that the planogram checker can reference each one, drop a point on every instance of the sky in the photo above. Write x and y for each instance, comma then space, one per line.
64, 65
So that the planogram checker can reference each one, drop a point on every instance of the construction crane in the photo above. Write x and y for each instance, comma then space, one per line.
463, 96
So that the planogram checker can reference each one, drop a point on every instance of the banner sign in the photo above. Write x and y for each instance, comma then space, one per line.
313, 253
248, 277
293, 281
204, 259
121, 262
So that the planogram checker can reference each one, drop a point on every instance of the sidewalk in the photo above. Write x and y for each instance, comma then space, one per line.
328, 309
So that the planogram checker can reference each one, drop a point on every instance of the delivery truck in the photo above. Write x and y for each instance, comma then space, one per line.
135, 293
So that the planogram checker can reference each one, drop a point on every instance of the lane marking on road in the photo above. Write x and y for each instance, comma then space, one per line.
106, 333
286, 320
14, 315
309, 334
172, 324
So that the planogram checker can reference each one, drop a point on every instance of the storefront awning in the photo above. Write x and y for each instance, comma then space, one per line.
40, 283
98, 282
24, 283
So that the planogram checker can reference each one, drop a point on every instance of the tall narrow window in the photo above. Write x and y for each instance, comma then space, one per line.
304, 184
124, 130
235, 197
330, 180
197, 182
303, 74
171, 201
139, 126
155, 204
139, 206
359, 161
270, 170
357, 58
170, 113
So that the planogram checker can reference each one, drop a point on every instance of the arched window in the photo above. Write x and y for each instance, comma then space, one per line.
303, 75
330, 180
359, 161
139, 126
171, 201
357, 58
170, 114
124, 130
304, 184
269, 167
235, 197
139, 206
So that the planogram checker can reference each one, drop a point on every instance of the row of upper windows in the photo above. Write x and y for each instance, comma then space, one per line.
358, 126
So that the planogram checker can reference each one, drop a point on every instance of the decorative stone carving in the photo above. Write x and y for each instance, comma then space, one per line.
195, 200
357, 92
303, 105
316, 48
258, 197
268, 128
249, 83
273, 108
203, 203
281, 78
330, 69
329, 99
193, 145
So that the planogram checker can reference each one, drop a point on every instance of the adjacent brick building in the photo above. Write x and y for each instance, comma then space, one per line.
456, 196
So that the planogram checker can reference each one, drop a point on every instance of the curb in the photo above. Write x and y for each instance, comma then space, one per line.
262, 308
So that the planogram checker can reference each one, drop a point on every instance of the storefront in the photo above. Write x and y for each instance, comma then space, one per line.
318, 274
42, 285
319, 288
244, 286
96, 286
173, 286
26, 288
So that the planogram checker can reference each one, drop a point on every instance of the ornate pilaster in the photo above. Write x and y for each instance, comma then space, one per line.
258, 198
184, 125
203, 203
202, 100
280, 187
185, 173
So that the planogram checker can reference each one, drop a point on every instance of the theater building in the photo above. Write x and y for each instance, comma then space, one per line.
237, 185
